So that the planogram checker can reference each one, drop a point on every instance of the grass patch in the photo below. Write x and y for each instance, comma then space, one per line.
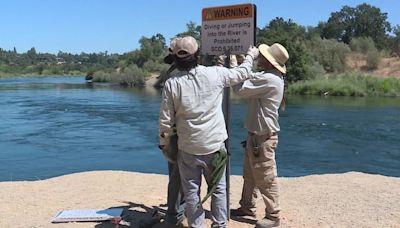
347, 85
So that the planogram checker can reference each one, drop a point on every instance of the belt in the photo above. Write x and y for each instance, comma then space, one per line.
256, 141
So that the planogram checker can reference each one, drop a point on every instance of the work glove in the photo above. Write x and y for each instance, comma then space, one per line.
232, 61
170, 151
221, 60
253, 52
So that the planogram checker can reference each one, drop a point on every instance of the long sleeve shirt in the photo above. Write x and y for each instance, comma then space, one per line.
192, 100
264, 92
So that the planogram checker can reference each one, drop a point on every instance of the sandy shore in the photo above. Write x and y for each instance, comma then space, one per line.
339, 200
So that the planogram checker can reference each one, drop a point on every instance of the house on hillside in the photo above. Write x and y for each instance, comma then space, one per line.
60, 61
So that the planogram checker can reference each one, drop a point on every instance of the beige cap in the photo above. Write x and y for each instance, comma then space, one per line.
185, 46
276, 54
172, 46
169, 59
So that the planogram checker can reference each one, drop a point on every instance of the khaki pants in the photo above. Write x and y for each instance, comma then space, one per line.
259, 172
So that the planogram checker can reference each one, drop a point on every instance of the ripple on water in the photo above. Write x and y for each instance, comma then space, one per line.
58, 125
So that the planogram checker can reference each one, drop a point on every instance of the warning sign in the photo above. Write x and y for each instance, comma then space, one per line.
228, 28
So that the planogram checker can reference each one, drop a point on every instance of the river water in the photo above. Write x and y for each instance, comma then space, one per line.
53, 126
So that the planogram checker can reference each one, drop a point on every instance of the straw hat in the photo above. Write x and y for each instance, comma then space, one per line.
276, 54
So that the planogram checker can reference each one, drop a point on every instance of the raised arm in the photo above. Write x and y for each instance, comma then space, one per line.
258, 86
230, 77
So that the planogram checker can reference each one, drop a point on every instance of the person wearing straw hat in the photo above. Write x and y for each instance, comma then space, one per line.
192, 101
264, 92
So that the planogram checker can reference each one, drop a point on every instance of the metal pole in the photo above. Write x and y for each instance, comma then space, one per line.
226, 107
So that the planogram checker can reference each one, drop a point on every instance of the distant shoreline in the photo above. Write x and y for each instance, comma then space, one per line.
41, 76
350, 85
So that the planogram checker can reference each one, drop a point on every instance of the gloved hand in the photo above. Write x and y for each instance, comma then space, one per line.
221, 60
233, 62
253, 52
166, 150
170, 151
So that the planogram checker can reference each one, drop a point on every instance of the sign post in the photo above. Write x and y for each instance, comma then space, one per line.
228, 30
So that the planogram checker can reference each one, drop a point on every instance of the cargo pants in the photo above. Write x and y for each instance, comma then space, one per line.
260, 172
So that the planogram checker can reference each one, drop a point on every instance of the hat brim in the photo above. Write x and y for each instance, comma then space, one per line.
263, 48
169, 59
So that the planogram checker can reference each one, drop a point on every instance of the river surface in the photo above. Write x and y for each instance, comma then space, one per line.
53, 126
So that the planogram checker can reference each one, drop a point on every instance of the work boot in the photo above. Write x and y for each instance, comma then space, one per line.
242, 212
267, 223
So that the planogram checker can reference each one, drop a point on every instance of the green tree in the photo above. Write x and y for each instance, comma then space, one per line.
298, 62
395, 40
362, 21
312, 32
191, 30
152, 48
280, 30
292, 36
31, 52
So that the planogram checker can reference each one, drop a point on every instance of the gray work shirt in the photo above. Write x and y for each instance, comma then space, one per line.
193, 102
264, 92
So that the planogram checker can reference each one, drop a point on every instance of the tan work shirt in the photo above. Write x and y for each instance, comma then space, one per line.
264, 92
193, 101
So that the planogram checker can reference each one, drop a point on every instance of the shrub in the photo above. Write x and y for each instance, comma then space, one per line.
131, 76
331, 54
366, 46
347, 85
153, 66
362, 45
101, 76
314, 70
373, 59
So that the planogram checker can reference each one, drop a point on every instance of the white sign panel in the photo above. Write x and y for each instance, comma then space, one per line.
228, 28
86, 215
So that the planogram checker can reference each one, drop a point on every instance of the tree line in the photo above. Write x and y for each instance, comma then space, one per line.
314, 51
62, 63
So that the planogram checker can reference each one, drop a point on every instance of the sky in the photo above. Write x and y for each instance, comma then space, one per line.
116, 26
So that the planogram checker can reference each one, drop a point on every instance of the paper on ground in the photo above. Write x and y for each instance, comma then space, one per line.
88, 215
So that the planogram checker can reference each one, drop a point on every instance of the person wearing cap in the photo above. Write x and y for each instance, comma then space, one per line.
175, 199
192, 101
264, 92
